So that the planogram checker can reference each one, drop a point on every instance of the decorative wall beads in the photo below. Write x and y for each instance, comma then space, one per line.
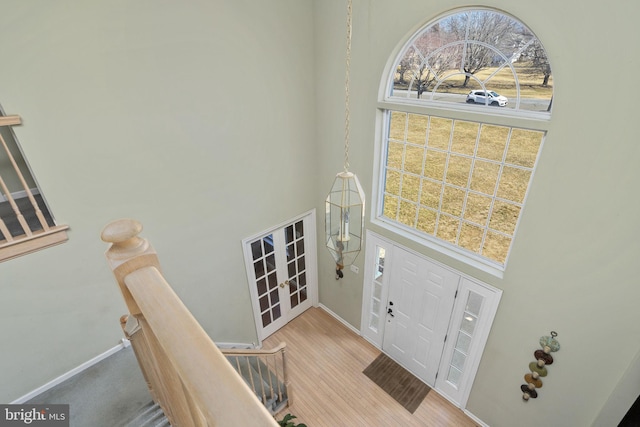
538, 368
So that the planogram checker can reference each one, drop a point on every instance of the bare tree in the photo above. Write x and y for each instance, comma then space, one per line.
404, 66
427, 60
409, 61
539, 62
485, 35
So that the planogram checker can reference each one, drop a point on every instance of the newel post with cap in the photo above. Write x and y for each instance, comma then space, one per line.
127, 253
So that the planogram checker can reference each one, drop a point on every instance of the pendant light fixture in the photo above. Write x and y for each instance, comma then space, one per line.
344, 208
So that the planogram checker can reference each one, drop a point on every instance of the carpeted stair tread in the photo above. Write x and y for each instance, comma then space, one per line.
150, 415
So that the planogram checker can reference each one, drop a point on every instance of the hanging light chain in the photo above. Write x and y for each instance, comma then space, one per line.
346, 89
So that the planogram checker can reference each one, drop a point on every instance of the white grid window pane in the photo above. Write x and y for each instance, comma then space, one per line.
463, 343
464, 183
454, 376
374, 318
465, 334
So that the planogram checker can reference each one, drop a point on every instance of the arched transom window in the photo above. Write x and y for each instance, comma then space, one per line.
465, 109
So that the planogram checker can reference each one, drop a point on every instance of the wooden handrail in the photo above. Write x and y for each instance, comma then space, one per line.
217, 389
195, 383
10, 120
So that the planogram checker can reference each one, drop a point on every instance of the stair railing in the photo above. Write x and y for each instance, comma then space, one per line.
271, 382
21, 237
189, 376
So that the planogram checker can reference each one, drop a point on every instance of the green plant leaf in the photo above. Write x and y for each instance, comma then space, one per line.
286, 421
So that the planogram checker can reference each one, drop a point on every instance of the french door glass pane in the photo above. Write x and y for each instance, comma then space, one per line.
273, 280
296, 266
262, 286
264, 266
256, 249
258, 268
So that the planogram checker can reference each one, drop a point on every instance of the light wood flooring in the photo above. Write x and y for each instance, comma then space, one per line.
325, 360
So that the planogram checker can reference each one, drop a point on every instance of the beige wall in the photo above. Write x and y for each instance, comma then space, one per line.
572, 267
166, 111
195, 118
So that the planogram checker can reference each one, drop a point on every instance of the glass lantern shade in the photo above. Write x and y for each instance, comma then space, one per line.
344, 221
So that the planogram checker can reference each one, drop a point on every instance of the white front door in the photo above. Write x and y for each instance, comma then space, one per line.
281, 268
420, 302
428, 317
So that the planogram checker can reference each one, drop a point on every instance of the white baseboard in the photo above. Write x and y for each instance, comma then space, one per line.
475, 419
339, 319
123, 344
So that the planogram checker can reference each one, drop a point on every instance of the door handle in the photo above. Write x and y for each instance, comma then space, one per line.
390, 312
286, 282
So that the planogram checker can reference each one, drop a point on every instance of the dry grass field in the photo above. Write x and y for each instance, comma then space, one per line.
460, 181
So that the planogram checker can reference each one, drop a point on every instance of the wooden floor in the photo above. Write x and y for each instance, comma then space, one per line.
325, 363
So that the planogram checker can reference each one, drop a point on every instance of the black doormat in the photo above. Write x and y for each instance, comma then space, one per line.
399, 383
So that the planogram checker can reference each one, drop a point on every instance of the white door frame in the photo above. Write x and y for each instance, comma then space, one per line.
311, 267
375, 305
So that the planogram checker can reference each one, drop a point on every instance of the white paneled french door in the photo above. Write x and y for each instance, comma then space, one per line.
430, 318
281, 268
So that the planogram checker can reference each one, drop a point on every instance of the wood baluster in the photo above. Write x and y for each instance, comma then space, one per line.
134, 333
263, 392
265, 360
285, 378
5, 231
25, 186
172, 387
23, 223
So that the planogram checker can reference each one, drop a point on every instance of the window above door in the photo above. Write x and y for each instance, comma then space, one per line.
464, 112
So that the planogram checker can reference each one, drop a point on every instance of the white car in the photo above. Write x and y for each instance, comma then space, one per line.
487, 98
